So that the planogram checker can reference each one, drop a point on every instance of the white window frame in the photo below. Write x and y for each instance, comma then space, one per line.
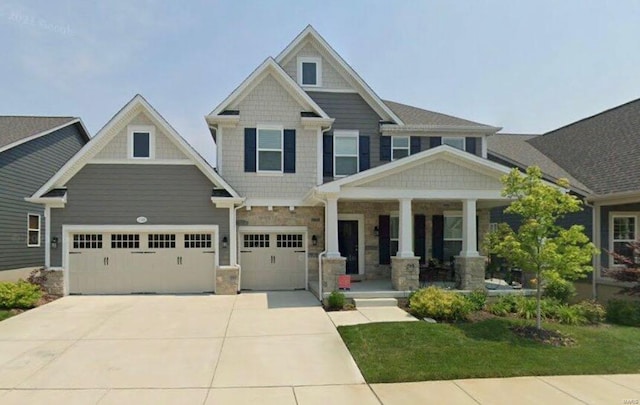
258, 149
346, 134
29, 229
151, 130
407, 148
612, 238
464, 142
308, 59
451, 214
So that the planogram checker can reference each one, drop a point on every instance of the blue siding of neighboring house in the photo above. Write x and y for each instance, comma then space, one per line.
23, 170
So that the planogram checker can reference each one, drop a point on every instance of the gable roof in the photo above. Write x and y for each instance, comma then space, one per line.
514, 149
16, 130
102, 138
601, 151
417, 116
363, 88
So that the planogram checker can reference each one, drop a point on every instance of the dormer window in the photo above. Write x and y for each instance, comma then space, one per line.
309, 72
456, 142
141, 142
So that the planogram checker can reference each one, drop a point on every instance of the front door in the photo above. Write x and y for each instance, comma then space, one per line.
348, 244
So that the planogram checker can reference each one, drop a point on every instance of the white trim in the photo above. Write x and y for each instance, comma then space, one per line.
319, 157
344, 133
258, 150
47, 236
621, 214
483, 147
326, 90
218, 143
141, 129
29, 229
143, 161
309, 59
407, 148
361, 242
480, 129
374, 193
44, 133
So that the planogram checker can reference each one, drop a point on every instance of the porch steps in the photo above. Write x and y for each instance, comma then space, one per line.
375, 302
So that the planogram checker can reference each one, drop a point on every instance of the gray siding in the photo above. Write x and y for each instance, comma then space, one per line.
118, 194
604, 227
23, 170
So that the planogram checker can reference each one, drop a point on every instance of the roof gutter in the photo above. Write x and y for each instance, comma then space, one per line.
440, 128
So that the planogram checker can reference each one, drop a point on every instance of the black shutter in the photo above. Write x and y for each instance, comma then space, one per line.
327, 156
364, 152
249, 149
384, 239
415, 145
385, 148
435, 141
419, 223
289, 150
437, 237
470, 145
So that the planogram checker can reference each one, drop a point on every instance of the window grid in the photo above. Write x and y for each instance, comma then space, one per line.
289, 241
263, 152
125, 241
33, 230
400, 147
87, 241
624, 232
162, 240
197, 241
345, 157
256, 241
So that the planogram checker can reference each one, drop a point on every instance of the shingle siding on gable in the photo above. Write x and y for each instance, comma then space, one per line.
117, 147
23, 170
107, 194
331, 79
269, 103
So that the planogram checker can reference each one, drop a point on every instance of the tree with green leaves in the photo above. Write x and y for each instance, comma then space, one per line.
540, 245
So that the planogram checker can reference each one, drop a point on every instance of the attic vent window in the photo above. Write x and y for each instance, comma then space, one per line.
141, 142
141, 145
309, 71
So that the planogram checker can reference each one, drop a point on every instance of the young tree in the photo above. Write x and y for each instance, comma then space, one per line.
539, 245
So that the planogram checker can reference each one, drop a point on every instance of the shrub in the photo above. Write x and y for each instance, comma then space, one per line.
19, 295
477, 299
550, 308
527, 308
623, 312
439, 304
592, 312
559, 289
336, 300
504, 305
570, 315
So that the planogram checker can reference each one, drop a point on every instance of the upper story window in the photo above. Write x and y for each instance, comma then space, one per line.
624, 232
399, 147
456, 142
269, 150
309, 71
345, 153
33, 230
141, 142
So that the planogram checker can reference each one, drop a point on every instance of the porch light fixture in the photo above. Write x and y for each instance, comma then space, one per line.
225, 241
376, 231
314, 240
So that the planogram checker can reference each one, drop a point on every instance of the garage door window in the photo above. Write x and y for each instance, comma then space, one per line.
162, 241
256, 241
289, 241
87, 241
125, 241
197, 241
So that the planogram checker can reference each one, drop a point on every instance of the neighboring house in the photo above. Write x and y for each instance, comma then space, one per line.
138, 210
599, 156
32, 149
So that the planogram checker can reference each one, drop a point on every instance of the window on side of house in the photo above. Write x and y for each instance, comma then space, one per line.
345, 153
399, 147
394, 234
309, 72
33, 230
454, 141
623, 233
269, 150
452, 235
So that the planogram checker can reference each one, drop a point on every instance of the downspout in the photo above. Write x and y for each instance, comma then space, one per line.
235, 235
595, 228
324, 252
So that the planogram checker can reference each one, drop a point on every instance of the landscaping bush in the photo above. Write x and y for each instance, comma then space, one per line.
336, 300
527, 308
439, 304
504, 305
570, 315
559, 289
477, 299
19, 295
623, 312
592, 312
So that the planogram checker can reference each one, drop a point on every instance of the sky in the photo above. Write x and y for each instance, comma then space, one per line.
526, 66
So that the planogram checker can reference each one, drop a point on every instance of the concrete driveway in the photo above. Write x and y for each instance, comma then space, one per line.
278, 347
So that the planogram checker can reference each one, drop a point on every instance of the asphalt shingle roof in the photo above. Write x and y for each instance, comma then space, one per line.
417, 116
602, 151
16, 128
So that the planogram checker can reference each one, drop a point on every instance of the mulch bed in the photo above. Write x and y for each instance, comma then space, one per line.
549, 337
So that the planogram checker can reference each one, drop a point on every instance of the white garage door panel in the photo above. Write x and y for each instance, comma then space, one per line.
137, 262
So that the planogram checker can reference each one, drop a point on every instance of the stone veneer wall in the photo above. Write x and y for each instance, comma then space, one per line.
311, 217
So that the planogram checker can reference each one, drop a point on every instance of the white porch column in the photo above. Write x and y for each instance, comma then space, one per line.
405, 242
331, 213
233, 237
469, 232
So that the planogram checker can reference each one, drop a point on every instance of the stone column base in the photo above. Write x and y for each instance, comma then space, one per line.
405, 273
471, 272
227, 278
332, 267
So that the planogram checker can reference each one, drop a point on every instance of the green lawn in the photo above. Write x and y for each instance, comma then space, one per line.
4, 314
418, 351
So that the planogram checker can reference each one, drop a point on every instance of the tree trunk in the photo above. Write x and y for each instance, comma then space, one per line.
538, 296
